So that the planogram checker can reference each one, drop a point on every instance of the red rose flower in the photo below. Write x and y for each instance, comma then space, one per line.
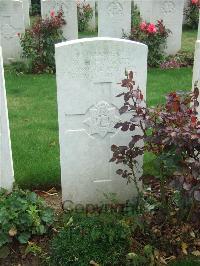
143, 26
52, 13
151, 28
194, 2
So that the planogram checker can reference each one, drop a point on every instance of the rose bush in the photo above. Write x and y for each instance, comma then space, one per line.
154, 36
192, 14
38, 42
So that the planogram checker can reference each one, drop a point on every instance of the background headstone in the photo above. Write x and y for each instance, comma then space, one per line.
26, 7
171, 12
88, 72
70, 30
114, 17
198, 36
196, 69
6, 164
186, 4
145, 8
11, 24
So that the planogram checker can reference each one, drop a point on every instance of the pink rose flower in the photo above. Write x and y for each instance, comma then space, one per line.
194, 2
151, 28
143, 26
52, 13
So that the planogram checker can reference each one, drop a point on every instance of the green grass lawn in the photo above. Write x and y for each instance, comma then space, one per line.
33, 121
87, 34
188, 40
34, 129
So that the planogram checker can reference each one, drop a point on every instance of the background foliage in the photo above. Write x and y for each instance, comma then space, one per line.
22, 215
192, 14
92, 238
38, 43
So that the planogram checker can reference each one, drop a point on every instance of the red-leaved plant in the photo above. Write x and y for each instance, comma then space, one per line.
172, 133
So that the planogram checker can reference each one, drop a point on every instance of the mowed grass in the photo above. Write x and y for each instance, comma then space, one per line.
189, 37
188, 40
34, 127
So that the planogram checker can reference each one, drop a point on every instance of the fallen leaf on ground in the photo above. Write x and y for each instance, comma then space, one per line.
196, 253
184, 247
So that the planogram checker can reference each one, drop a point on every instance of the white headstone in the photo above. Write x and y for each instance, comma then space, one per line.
198, 36
69, 7
145, 8
186, 5
88, 76
171, 12
196, 68
26, 7
11, 24
114, 18
6, 164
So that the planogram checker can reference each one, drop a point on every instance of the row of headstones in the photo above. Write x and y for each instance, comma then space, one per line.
99, 64
90, 70
114, 17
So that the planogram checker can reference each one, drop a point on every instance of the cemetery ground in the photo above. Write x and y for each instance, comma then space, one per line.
34, 127
35, 146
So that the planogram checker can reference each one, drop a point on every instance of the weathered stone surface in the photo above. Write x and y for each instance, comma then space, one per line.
26, 7
6, 164
11, 24
171, 12
196, 68
88, 73
70, 30
114, 17
186, 4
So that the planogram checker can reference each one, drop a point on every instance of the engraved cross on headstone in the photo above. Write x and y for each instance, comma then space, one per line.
115, 8
97, 123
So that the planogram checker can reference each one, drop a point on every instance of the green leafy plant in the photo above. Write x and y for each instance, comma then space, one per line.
35, 8
22, 215
103, 240
135, 15
192, 14
154, 36
33, 248
186, 262
85, 13
39, 41
146, 258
